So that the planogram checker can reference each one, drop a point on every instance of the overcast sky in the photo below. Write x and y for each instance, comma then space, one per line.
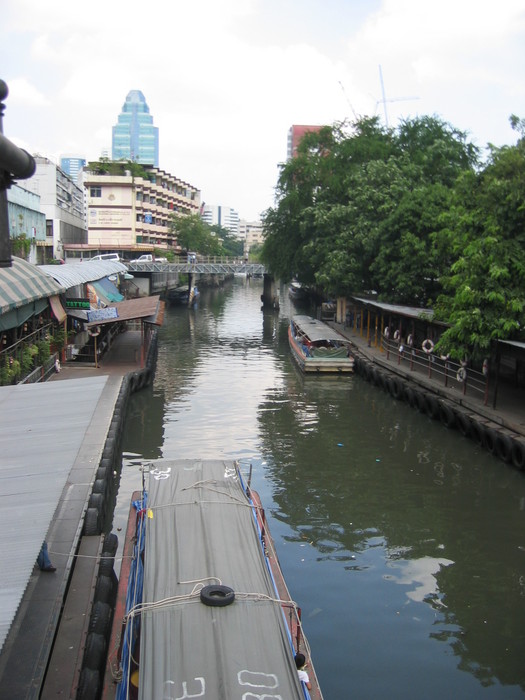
225, 79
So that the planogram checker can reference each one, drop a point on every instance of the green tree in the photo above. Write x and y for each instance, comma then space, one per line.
195, 235
485, 230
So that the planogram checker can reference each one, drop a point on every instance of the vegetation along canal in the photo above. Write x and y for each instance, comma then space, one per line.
402, 541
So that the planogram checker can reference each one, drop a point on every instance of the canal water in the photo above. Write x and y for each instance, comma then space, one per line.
402, 542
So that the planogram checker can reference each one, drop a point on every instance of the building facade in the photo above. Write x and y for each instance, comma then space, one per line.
217, 215
72, 165
252, 234
127, 213
134, 137
26, 222
62, 202
295, 134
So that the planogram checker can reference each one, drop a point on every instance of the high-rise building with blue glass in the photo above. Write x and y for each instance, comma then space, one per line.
134, 137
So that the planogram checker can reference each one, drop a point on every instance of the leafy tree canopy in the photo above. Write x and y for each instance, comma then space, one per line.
412, 215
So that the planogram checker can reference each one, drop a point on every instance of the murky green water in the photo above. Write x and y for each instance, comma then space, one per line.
403, 542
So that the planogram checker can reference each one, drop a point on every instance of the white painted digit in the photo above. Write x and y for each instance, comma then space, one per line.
199, 694
257, 679
158, 474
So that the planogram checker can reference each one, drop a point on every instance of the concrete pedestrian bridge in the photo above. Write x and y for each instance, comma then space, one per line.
205, 266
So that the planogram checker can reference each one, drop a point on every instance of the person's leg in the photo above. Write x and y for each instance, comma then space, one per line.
43, 560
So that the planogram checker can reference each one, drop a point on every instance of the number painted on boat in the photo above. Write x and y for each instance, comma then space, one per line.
168, 689
159, 474
261, 681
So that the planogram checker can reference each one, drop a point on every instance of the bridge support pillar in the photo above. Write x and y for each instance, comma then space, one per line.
270, 295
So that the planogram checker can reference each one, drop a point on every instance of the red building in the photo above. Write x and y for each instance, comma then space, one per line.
295, 134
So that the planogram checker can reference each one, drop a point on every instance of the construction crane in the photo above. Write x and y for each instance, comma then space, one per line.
384, 100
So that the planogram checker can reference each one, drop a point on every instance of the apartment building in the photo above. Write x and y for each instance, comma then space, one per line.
132, 212
252, 234
62, 202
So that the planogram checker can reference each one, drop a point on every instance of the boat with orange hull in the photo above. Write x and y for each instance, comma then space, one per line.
205, 611
318, 348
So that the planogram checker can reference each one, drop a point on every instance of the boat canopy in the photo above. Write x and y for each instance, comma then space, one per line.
201, 531
316, 330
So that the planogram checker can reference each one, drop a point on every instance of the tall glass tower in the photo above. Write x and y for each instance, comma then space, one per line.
134, 137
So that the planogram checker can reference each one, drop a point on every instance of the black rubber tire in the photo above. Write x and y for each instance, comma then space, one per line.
217, 596
504, 447
100, 619
95, 651
464, 424
105, 565
518, 454
489, 440
102, 473
384, 383
99, 486
408, 394
92, 522
396, 388
431, 406
110, 544
477, 433
88, 685
96, 500
420, 401
447, 415
104, 589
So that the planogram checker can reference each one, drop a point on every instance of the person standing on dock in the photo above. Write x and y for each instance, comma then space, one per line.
43, 560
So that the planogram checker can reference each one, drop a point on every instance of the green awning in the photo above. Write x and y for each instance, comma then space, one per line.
22, 284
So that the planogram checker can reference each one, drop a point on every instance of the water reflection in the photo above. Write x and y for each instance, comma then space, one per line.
402, 542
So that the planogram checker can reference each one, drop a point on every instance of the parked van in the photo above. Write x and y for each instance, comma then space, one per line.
107, 256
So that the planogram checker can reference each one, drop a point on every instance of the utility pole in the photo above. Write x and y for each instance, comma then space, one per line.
15, 164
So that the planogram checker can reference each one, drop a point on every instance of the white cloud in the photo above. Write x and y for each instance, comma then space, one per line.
225, 79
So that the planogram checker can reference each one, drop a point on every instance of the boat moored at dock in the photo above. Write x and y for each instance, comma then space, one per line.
207, 612
318, 348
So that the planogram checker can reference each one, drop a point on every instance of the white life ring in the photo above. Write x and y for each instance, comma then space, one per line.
461, 374
485, 367
427, 346
387, 332
397, 335
410, 340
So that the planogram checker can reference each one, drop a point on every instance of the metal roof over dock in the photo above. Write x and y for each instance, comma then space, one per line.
43, 427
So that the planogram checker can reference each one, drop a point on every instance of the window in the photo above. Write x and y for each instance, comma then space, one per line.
95, 192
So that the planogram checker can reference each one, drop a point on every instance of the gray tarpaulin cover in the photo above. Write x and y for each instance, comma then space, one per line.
200, 531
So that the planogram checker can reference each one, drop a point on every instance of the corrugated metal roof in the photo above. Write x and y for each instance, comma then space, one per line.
73, 274
316, 330
43, 426
23, 283
513, 343
202, 531
410, 311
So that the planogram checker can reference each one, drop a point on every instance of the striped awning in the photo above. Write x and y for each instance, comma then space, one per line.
23, 283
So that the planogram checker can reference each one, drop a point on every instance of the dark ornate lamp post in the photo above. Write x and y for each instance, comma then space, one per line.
15, 164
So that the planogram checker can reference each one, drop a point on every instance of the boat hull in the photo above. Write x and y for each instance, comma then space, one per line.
184, 547
318, 365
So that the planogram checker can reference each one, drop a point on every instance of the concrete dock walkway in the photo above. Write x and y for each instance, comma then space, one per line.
510, 408
26, 652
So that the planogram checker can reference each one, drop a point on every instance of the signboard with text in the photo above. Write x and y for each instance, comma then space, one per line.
102, 314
